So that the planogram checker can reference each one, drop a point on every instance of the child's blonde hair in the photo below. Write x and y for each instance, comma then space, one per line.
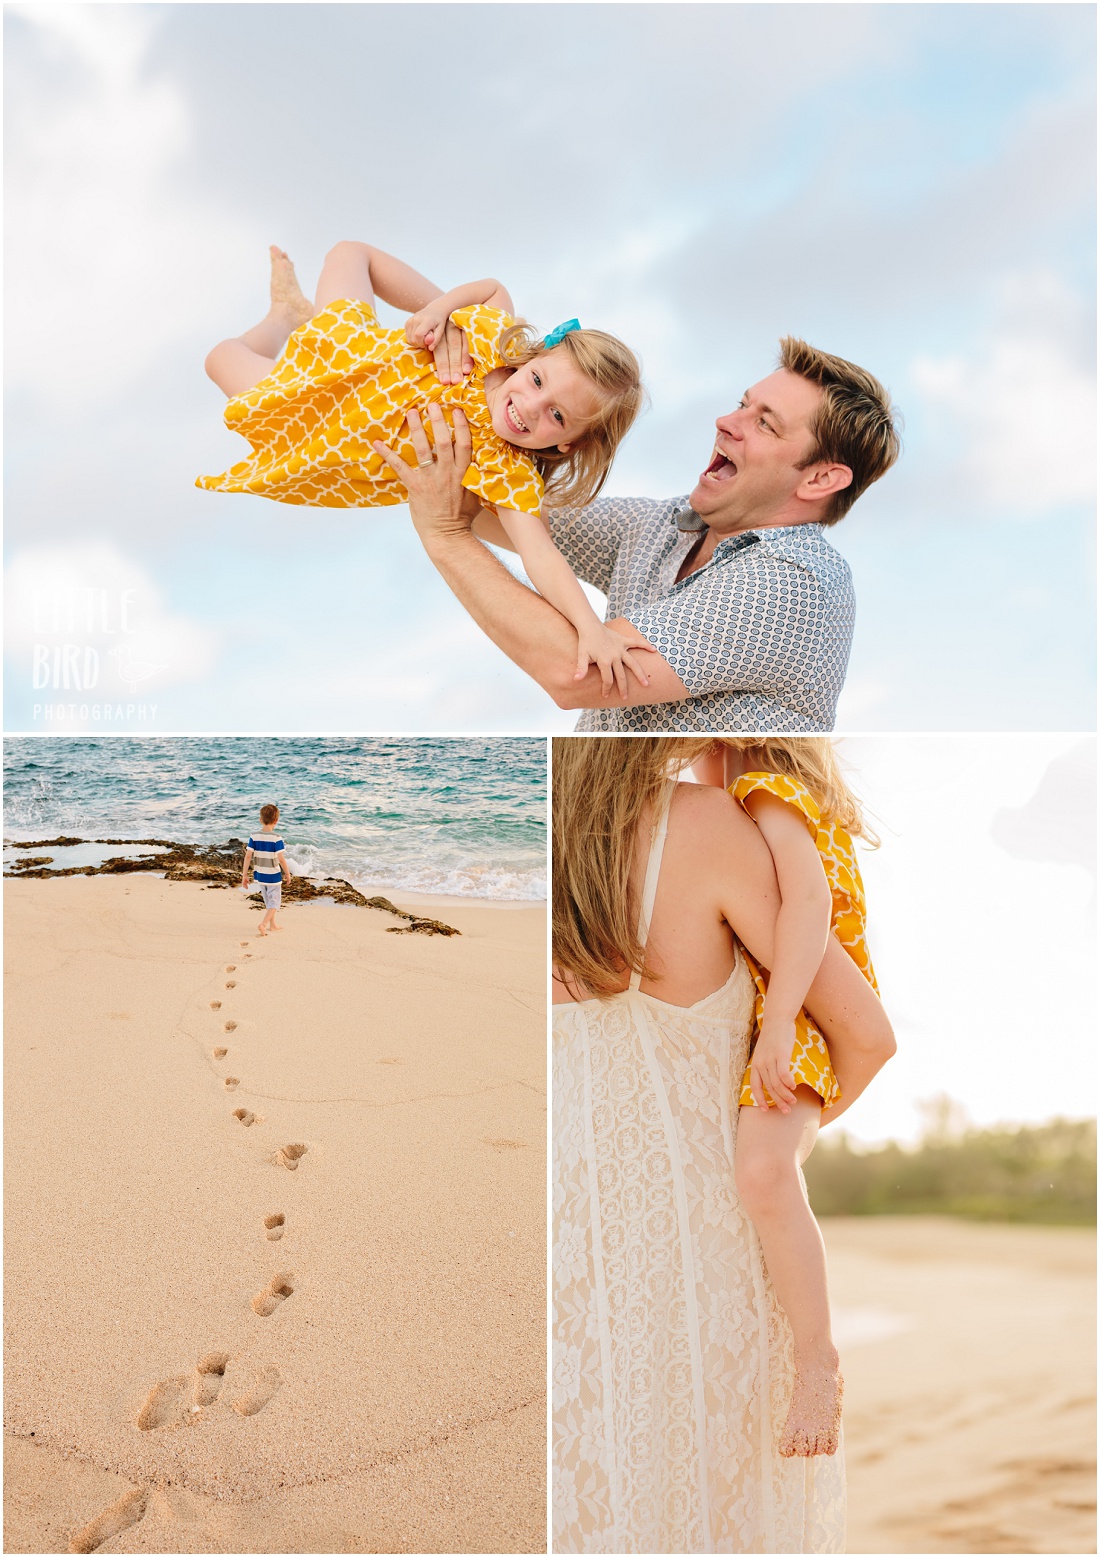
813, 761
575, 478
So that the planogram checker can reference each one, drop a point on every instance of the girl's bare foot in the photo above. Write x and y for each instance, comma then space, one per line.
813, 1421
287, 297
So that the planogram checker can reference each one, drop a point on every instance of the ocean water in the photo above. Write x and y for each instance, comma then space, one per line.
465, 817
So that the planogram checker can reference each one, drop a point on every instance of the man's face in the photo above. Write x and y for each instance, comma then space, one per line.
752, 479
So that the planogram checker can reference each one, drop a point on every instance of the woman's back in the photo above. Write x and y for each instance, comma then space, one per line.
716, 876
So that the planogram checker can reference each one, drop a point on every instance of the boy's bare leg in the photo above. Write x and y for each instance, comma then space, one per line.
770, 1150
243, 360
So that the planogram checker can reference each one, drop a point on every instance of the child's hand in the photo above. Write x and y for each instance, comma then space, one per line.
610, 652
426, 327
771, 1066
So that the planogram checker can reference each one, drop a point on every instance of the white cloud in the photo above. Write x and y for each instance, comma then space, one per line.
85, 625
113, 258
1023, 404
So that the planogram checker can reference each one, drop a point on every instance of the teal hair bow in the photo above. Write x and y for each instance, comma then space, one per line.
556, 337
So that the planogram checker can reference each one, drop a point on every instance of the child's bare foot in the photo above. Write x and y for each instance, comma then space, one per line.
813, 1421
287, 297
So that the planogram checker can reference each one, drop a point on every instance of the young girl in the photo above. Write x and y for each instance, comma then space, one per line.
545, 416
794, 792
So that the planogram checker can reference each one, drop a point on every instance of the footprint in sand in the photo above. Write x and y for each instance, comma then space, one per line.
502, 1145
231, 983
231, 967
246, 1116
276, 1292
220, 1054
104, 1527
268, 1381
290, 1156
229, 1027
389, 1062
215, 1005
275, 1224
173, 1401
243, 943
231, 1083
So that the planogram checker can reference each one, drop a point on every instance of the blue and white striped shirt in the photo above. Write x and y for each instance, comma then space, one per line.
267, 847
760, 635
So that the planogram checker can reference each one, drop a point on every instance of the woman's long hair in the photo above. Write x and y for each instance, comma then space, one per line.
602, 786
812, 760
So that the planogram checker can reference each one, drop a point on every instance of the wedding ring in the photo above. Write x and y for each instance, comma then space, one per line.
425, 463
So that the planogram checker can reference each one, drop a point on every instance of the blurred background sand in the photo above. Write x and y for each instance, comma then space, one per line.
968, 1352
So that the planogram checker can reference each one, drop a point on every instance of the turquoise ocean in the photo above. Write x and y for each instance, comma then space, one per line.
465, 817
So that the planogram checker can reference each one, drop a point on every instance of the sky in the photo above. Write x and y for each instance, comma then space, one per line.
909, 186
981, 904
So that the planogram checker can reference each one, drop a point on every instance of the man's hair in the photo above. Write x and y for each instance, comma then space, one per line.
269, 814
855, 424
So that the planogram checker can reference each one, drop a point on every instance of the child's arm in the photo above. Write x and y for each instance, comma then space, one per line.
284, 867
424, 328
801, 934
555, 581
248, 853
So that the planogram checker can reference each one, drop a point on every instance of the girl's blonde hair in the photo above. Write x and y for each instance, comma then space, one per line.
602, 786
812, 760
575, 478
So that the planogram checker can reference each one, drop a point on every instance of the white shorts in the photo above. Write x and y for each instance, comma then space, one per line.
272, 893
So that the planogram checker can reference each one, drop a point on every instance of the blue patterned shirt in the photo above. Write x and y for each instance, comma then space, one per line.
760, 635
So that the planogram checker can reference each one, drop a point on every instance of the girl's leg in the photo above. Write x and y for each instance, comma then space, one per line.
243, 360
771, 1147
359, 270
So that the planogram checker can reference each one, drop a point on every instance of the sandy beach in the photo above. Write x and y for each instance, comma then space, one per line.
215, 1340
968, 1352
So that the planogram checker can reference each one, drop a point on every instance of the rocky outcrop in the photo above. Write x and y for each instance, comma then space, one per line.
217, 867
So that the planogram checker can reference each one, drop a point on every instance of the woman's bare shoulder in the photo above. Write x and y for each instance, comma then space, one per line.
711, 821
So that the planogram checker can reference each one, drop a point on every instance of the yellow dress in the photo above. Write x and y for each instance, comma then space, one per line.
810, 1061
344, 380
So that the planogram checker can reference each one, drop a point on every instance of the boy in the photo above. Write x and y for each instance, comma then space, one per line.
267, 849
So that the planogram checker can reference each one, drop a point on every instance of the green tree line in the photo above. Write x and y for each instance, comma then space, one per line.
1027, 1173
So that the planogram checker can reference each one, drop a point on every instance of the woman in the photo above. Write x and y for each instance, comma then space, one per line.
673, 1368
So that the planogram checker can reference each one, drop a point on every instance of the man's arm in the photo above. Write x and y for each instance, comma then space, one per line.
524, 626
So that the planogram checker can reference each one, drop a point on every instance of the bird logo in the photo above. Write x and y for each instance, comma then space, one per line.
132, 671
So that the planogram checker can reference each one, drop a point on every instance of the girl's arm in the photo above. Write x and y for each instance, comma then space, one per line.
801, 934
425, 327
555, 581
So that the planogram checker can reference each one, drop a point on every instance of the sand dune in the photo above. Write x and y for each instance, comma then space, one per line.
969, 1359
275, 1226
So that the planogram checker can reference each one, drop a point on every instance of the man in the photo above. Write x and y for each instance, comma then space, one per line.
747, 607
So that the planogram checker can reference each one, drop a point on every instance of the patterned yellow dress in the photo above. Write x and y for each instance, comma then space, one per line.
810, 1062
344, 380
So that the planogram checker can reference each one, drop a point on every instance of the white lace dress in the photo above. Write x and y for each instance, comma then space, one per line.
672, 1359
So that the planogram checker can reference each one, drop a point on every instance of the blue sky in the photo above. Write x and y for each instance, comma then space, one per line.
910, 186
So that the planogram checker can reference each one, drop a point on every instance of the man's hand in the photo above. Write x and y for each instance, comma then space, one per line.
438, 503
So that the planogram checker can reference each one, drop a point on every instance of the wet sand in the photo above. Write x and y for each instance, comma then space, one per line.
372, 1377
968, 1352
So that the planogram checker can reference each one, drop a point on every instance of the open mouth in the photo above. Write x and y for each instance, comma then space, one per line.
720, 468
514, 420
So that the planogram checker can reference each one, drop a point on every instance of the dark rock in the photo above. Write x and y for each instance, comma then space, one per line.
216, 866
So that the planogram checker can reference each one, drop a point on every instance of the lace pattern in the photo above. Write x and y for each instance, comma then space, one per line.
672, 1366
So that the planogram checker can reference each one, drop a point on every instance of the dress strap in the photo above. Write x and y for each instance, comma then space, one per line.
653, 870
